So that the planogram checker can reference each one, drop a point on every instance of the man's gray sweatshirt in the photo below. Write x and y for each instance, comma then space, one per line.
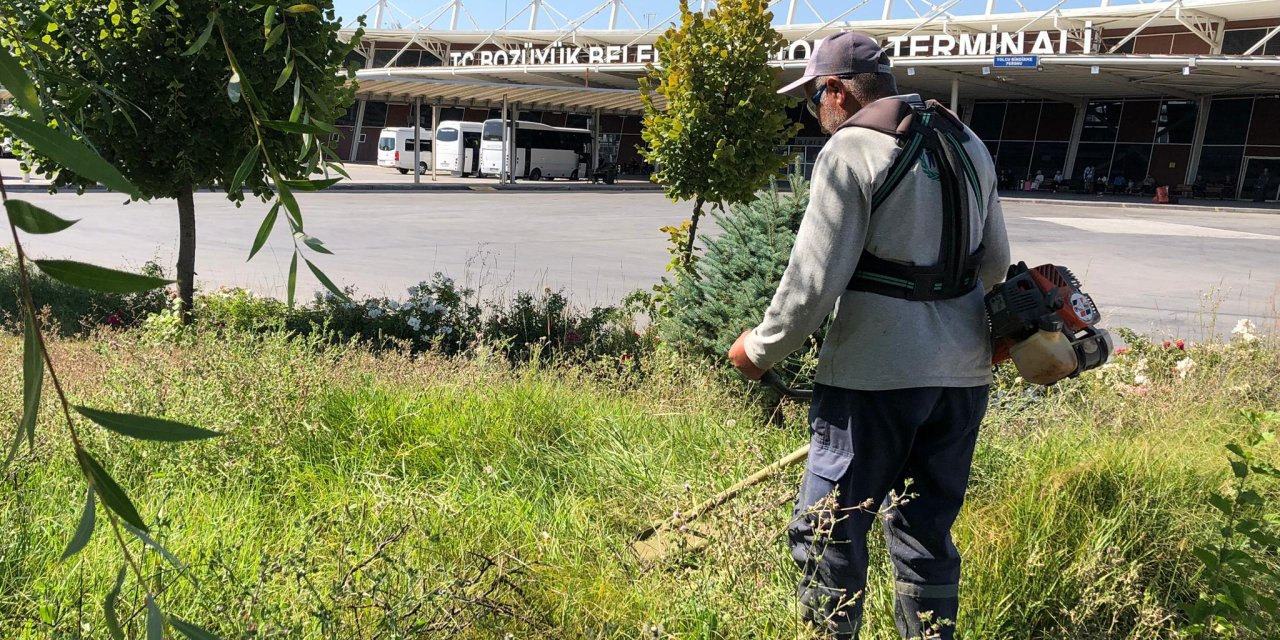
877, 342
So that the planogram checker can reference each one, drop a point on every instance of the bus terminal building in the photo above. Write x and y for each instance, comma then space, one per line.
1186, 92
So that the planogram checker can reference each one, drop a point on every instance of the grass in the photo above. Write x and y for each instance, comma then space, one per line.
363, 496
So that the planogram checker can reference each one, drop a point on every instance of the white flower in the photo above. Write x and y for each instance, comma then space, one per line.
414, 291
1184, 367
1140, 379
446, 330
393, 305
446, 282
374, 312
415, 323
1245, 330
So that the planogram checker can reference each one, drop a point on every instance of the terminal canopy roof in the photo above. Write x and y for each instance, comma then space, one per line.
1169, 49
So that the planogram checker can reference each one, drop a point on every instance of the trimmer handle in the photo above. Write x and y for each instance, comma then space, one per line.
773, 380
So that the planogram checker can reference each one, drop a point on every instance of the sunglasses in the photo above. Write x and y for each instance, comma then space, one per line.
815, 100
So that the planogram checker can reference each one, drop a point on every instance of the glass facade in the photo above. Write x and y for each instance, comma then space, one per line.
1236, 41
1025, 137
1240, 141
1128, 140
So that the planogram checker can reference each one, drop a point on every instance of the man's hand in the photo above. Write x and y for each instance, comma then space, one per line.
738, 356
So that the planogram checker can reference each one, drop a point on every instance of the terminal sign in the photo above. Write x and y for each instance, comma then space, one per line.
1010, 49
1017, 61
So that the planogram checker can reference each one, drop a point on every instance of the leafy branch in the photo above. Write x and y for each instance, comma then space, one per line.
299, 123
47, 130
37, 362
1240, 584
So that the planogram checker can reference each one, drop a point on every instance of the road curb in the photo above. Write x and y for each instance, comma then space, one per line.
1112, 204
567, 188
377, 187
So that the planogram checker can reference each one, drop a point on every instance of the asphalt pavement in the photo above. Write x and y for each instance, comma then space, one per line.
1165, 271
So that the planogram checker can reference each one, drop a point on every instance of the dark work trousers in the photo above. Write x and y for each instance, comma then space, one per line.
865, 445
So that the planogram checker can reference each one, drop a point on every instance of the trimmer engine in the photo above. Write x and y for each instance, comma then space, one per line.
1026, 312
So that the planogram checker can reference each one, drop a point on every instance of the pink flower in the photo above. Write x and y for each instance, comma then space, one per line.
1122, 350
1167, 344
114, 320
1181, 345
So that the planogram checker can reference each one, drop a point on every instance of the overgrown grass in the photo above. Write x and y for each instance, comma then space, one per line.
362, 496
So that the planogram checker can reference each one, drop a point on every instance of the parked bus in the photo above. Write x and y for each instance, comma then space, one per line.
395, 150
457, 147
541, 151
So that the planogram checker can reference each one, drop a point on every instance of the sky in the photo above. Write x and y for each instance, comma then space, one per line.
491, 14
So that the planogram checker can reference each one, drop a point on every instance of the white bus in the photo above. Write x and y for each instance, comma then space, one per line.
457, 147
395, 150
541, 151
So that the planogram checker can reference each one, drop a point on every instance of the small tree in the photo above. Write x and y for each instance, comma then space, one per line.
182, 96
717, 139
735, 279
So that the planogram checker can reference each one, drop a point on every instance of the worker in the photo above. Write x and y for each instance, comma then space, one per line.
905, 367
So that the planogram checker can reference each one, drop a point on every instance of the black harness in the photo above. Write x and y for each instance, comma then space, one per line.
924, 128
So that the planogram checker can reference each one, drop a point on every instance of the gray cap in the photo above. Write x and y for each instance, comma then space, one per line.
839, 55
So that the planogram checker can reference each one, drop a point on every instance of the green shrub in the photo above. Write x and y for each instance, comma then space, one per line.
72, 310
437, 314
730, 286
528, 327
240, 310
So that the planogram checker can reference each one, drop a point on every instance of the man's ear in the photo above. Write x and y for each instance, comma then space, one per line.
844, 99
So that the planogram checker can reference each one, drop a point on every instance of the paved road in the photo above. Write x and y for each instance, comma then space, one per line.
1164, 271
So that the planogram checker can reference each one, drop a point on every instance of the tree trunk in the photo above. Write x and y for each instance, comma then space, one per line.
687, 258
186, 251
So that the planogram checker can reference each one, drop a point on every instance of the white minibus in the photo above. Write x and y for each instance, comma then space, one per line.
457, 147
395, 149
542, 151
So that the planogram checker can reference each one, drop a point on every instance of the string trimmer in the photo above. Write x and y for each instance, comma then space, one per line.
677, 534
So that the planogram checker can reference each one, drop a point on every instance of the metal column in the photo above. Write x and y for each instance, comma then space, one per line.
511, 144
595, 142
888, 7
955, 95
355, 131
417, 141
502, 158
1077, 129
435, 125
1197, 140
